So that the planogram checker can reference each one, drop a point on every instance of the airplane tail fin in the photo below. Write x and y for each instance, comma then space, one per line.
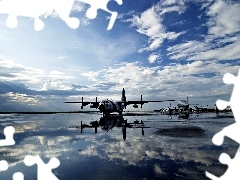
124, 97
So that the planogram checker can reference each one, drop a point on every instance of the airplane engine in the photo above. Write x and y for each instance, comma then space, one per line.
94, 106
135, 106
101, 108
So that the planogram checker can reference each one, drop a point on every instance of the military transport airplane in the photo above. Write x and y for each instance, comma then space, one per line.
108, 106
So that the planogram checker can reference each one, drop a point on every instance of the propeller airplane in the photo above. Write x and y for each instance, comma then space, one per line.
107, 106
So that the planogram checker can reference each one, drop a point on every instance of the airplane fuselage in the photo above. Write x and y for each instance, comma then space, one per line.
108, 106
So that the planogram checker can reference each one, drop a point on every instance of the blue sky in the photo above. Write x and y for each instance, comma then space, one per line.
160, 49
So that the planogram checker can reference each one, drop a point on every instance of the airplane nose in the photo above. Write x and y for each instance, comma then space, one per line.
101, 107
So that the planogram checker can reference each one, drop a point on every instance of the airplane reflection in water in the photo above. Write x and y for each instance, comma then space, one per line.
107, 123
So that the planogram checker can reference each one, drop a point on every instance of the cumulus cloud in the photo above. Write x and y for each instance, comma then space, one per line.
150, 23
224, 18
153, 57
197, 78
222, 40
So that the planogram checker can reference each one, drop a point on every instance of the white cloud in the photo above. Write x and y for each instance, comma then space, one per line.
33, 77
197, 79
22, 98
153, 57
17, 72
91, 75
222, 41
158, 170
229, 52
150, 23
210, 49
224, 18
55, 85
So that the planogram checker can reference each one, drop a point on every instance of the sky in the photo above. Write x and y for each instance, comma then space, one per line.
167, 49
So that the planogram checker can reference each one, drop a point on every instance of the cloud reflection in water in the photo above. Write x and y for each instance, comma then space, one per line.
106, 154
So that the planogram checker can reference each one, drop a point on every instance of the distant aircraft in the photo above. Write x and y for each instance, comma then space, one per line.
184, 105
108, 106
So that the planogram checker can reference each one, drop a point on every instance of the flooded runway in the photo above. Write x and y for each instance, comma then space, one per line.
152, 146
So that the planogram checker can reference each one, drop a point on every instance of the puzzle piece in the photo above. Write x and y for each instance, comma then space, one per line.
231, 131
8, 132
18, 176
3, 165
44, 170
235, 98
36, 8
96, 4
233, 168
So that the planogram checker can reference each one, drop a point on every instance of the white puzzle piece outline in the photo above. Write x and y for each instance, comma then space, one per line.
231, 131
37, 8
9, 138
101, 4
8, 141
44, 170
18, 176
3, 165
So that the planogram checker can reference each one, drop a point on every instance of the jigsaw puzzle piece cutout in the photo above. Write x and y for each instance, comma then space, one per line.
235, 98
221, 104
36, 8
44, 170
229, 78
114, 5
3, 165
8, 132
63, 8
95, 5
233, 167
18, 176
26, 8
231, 131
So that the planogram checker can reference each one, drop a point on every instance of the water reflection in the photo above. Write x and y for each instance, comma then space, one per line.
107, 123
133, 147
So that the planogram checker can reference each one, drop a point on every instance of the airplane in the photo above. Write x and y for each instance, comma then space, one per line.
184, 105
107, 106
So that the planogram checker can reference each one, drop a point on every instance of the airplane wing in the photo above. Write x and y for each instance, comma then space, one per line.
94, 103
142, 102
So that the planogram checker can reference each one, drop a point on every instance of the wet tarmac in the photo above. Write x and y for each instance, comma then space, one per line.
139, 146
